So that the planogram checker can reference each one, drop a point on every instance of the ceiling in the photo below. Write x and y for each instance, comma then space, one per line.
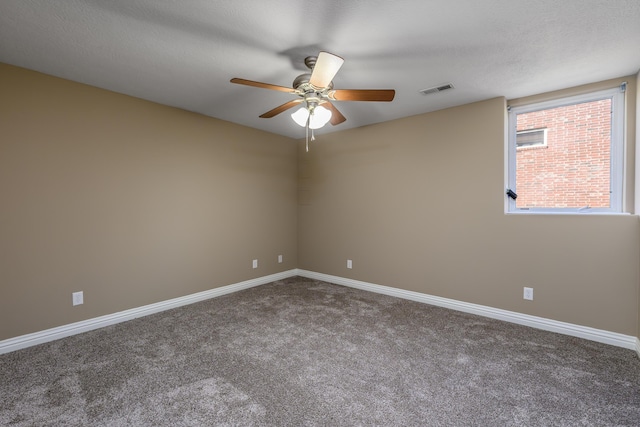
183, 53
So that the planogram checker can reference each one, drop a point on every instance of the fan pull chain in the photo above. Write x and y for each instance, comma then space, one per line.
313, 137
307, 128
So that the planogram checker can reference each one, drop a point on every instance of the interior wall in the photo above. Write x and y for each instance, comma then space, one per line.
134, 203
637, 177
130, 202
418, 204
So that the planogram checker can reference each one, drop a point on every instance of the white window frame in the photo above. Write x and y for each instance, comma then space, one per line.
616, 95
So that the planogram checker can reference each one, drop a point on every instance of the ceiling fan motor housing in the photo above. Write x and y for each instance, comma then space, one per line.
301, 83
302, 79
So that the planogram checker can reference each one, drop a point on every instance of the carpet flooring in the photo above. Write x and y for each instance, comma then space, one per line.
300, 352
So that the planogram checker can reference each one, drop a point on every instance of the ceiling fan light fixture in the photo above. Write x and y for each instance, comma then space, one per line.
319, 118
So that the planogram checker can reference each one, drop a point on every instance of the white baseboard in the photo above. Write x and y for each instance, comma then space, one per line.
23, 341
612, 338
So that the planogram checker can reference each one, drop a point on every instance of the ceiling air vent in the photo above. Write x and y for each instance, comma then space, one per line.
436, 89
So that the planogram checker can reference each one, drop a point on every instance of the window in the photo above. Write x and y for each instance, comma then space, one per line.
531, 138
580, 167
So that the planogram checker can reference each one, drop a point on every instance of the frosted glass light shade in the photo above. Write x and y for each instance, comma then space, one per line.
319, 118
300, 116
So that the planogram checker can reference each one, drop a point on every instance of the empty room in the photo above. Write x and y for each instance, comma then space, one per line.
338, 213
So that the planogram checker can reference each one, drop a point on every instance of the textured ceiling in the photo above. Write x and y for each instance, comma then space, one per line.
183, 53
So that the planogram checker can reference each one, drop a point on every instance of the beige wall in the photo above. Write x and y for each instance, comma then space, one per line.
134, 203
129, 201
637, 179
418, 204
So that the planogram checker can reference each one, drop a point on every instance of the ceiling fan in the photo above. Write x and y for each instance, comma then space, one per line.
315, 93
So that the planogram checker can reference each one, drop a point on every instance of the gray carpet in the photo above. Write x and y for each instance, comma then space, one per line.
300, 352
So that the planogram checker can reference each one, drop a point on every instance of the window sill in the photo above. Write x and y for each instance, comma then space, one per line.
570, 213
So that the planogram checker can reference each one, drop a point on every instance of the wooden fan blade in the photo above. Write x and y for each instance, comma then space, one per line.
336, 116
281, 108
381, 95
327, 65
262, 85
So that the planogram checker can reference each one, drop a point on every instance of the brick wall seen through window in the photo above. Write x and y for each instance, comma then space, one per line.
573, 169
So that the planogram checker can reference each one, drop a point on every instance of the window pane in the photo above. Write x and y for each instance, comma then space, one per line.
573, 170
530, 138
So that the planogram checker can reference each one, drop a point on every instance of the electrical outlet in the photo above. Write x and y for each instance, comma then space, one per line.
349, 263
77, 298
255, 263
279, 259
528, 294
